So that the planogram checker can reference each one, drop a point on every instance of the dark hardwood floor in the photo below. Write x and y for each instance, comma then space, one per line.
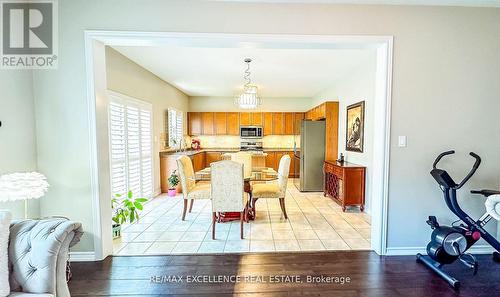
370, 275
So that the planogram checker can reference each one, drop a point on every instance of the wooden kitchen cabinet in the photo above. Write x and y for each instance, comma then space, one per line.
233, 123
245, 119
211, 157
256, 118
168, 164
277, 156
207, 123
273, 160
194, 123
289, 119
220, 119
198, 161
270, 159
345, 183
298, 117
268, 123
278, 127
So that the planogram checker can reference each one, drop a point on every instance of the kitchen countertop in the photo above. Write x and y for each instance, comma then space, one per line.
229, 150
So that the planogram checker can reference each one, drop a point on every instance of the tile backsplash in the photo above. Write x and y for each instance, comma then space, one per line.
278, 141
272, 141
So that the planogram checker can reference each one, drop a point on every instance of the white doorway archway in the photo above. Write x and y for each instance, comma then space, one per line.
95, 42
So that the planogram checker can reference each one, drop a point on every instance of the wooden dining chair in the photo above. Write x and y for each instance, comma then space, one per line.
190, 189
276, 189
227, 189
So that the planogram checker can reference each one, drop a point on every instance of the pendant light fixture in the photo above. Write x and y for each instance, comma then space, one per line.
249, 99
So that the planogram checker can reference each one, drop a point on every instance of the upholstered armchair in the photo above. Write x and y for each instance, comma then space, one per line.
38, 253
228, 193
190, 189
275, 189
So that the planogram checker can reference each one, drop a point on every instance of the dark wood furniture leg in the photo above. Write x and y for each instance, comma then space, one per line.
241, 225
185, 208
283, 209
191, 206
213, 225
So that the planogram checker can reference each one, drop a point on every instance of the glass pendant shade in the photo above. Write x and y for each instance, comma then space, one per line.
248, 99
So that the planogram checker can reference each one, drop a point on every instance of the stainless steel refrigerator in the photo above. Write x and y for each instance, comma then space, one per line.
309, 158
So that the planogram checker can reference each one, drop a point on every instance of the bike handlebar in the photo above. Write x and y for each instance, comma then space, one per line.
441, 156
471, 172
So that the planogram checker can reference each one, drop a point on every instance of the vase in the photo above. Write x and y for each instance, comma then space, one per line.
172, 192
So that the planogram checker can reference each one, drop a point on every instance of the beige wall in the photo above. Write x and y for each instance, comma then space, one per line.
268, 104
128, 78
444, 95
356, 86
17, 133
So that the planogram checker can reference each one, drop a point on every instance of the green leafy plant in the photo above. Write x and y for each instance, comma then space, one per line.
173, 180
126, 209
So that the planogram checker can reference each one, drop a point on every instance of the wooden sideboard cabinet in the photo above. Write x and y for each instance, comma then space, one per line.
345, 183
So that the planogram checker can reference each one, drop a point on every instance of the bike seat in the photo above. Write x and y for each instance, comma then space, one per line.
486, 193
492, 205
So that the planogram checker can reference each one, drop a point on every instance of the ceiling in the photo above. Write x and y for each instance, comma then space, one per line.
211, 71
471, 3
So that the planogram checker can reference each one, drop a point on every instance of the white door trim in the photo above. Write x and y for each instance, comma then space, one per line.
383, 44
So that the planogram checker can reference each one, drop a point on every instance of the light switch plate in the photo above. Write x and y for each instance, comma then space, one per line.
402, 141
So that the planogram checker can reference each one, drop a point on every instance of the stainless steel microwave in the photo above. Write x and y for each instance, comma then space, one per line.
251, 132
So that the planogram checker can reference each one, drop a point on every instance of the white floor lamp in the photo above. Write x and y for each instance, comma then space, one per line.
22, 186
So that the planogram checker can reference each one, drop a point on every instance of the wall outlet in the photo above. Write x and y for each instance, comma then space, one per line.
402, 141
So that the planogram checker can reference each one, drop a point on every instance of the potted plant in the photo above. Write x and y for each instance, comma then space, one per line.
125, 210
173, 180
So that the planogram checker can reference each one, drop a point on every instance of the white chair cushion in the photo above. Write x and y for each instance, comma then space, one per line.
200, 191
271, 190
5, 218
492, 205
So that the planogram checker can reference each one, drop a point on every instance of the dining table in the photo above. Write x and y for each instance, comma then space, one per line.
257, 175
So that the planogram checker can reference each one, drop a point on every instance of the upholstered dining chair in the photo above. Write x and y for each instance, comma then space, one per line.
244, 158
190, 189
227, 188
275, 189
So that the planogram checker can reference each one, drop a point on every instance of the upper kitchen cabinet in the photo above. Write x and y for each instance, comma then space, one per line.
220, 120
194, 123
298, 117
233, 123
245, 119
207, 123
256, 118
268, 123
278, 125
289, 119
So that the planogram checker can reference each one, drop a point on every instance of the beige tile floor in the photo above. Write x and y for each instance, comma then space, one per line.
315, 223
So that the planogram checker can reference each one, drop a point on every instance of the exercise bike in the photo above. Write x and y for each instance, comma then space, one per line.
450, 243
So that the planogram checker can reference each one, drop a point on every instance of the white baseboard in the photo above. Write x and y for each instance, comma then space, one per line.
407, 251
81, 256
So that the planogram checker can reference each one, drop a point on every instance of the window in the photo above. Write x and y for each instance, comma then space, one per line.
175, 127
130, 144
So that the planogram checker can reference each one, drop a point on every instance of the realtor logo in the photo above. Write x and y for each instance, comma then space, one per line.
29, 34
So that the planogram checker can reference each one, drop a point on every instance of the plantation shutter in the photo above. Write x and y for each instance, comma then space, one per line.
175, 127
130, 146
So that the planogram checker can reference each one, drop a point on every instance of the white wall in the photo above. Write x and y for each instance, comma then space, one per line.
126, 77
356, 86
17, 133
444, 95
268, 104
